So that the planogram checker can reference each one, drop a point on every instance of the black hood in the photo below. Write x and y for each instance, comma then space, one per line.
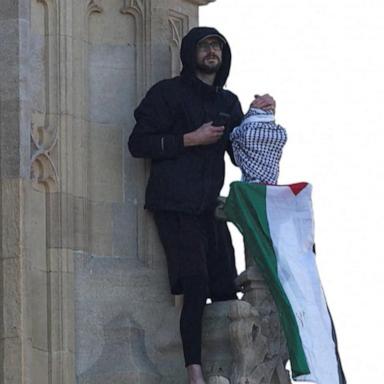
188, 53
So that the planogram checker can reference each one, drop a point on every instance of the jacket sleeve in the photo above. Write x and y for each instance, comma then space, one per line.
152, 136
236, 117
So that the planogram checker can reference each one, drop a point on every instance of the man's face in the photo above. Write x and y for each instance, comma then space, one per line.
209, 55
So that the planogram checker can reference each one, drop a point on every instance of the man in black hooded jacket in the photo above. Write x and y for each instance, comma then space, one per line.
176, 129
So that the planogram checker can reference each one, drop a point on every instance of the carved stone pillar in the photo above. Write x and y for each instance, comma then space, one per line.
257, 294
77, 248
15, 327
252, 345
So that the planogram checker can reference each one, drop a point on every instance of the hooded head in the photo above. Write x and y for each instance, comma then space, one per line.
188, 53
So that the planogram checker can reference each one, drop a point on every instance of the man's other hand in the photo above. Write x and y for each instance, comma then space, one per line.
204, 135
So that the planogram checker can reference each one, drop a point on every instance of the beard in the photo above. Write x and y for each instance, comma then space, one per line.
207, 68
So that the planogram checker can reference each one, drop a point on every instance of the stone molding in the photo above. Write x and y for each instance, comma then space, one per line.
200, 2
51, 222
44, 127
179, 26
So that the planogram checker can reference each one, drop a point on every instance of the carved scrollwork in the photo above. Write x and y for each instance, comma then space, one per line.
43, 137
44, 127
256, 333
132, 5
249, 345
93, 7
43, 173
178, 24
136, 9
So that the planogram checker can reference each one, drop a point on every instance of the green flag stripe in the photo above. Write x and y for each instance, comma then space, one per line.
246, 208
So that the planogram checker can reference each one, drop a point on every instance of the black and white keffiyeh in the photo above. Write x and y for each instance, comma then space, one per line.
257, 146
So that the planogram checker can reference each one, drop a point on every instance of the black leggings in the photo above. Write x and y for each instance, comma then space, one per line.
195, 296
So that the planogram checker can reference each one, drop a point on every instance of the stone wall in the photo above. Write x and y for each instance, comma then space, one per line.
82, 274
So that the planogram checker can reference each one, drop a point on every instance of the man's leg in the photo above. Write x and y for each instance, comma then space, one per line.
185, 246
220, 261
195, 296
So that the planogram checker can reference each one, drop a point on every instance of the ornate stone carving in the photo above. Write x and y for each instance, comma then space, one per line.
271, 351
249, 345
179, 25
257, 341
130, 6
136, 9
93, 7
44, 131
43, 173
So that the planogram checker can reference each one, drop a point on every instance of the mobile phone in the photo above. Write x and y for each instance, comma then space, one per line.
221, 119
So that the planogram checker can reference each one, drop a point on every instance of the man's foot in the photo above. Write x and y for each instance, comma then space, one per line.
195, 374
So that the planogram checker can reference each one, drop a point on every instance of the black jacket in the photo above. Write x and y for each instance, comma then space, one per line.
184, 179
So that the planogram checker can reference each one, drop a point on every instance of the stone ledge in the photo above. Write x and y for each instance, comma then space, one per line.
200, 2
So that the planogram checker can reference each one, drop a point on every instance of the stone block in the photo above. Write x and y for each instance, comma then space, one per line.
81, 222
39, 316
111, 76
125, 229
24, 55
9, 139
100, 228
10, 220
61, 260
9, 9
40, 366
106, 286
9, 59
124, 358
216, 353
35, 225
38, 68
105, 163
12, 362
79, 157
60, 224
123, 31
218, 380
63, 367
68, 317
11, 298
14, 9
61, 310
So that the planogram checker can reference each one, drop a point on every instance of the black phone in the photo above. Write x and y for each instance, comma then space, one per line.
221, 119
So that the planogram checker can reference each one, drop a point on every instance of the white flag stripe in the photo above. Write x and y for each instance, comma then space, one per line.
290, 221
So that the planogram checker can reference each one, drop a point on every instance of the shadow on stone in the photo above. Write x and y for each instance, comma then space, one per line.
124, 358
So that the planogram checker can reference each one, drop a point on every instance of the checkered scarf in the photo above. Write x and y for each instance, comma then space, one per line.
257, 146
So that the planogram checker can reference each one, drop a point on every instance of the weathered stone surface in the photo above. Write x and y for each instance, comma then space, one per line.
40, 367
39, 309
11, 370
218, 380
12, 297
123, 358
11, 9
84, 287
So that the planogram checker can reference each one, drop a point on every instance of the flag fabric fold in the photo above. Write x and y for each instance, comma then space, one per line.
278, 229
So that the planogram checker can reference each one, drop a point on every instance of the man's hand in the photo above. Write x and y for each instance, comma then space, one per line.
205, 135
266, 102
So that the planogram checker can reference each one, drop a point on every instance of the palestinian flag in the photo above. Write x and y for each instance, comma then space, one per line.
277, 226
